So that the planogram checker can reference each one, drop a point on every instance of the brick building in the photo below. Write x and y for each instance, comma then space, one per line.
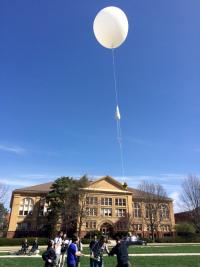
108, 204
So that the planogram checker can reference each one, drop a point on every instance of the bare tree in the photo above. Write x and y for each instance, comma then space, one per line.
191, 198
4, 191
153, 196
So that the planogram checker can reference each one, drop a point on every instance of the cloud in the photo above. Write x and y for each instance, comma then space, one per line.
12, 149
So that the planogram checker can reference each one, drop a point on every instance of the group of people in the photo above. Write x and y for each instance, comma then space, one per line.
61, 250
98, 247
25, 247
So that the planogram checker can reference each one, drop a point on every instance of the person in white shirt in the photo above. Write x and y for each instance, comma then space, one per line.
64, 247
57, 247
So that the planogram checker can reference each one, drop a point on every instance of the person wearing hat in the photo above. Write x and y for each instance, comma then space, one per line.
73, 253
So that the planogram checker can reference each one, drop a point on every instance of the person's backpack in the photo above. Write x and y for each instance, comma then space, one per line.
64, 248
44, 255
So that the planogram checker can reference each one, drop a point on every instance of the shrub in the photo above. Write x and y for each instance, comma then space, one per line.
184, 229
179, 239
18, 241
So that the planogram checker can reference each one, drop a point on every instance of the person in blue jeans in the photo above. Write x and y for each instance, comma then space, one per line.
73, 252
98, 249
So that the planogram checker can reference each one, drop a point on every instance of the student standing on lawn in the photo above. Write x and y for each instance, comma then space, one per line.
99, 248
49, 256
64, 247
57, 246
80, 248
72, 252
91, 245
121, 250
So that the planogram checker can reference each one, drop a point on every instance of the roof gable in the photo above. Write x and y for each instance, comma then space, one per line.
107, 183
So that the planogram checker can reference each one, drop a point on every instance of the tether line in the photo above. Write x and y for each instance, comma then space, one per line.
119, 131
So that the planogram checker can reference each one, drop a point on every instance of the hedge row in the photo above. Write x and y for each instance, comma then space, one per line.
179, 239
18, 241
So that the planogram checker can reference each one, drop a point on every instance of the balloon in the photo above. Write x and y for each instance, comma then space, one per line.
110, 27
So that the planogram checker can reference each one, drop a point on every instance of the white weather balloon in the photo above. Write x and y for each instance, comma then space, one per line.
110, 27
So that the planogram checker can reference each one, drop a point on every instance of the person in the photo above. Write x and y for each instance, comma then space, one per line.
34, 249
49, 256
72, 252
121, 250
64, 247
91, 245
80, 248
25, 246
98, 249
57, 247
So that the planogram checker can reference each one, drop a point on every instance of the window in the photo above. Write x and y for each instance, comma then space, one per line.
22, 226
91, 225
165, 228
151, 211
106, 201
43, 207
120, 212
164, 212
121, 226
137, 210
149, 227
120, 202
26, 207
137, 227
91, 211
106, 212
91, 201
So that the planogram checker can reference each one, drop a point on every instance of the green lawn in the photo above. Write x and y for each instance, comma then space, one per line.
159, 249
193, 261
154, 261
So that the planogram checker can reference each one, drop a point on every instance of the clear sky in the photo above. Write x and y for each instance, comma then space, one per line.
57, 99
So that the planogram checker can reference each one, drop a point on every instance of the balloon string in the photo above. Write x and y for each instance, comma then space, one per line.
119, 131
114, 76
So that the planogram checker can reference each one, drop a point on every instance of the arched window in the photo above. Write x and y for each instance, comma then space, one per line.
137, 210
164, 212
26, 207
43, 207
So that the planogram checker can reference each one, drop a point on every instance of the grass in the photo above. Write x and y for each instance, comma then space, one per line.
178, 261
159, 249
154, 261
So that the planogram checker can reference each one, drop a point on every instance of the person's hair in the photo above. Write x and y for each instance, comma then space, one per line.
102, 238
117, 238
74, 238
50, 243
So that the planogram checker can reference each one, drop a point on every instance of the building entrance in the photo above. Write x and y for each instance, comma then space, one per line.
106, 229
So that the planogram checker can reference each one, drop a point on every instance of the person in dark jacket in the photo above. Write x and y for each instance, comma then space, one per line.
34, 249
98, 249
91, 245
25, 246
121, 250
49, 256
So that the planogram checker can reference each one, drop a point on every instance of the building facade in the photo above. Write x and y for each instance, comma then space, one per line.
110, 206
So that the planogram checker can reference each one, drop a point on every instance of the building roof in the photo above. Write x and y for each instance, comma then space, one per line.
35, 188
46, 187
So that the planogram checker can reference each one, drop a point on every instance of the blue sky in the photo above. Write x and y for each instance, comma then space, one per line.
57, 99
